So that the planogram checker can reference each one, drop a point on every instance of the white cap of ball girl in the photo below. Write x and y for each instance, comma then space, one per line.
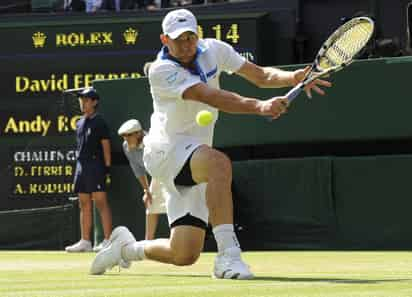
179, 21
129, 127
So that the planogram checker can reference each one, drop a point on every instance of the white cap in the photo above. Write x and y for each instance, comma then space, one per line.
179, 21
129, 126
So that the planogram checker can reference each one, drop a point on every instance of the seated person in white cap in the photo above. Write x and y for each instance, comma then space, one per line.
133, 134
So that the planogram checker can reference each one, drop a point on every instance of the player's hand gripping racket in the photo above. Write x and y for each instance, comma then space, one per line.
337, 52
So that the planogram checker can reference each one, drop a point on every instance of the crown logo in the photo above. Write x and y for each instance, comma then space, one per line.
130, 36
39, 39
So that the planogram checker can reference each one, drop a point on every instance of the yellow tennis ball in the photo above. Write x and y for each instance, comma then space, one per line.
204, 118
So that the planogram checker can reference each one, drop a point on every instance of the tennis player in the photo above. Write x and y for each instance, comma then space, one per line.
154, 202
184, 79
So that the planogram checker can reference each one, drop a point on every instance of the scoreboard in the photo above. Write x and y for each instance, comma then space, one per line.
41, 58
48, 56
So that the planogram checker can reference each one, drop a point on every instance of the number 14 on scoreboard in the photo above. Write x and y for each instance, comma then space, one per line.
231, 35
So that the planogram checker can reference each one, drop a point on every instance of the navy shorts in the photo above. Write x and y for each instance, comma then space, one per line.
89, 177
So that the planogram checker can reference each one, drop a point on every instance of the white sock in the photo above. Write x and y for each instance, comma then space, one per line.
134, 251
225, 237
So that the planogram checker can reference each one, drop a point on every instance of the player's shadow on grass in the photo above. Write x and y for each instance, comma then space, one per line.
328, 280
273, 278
156, 275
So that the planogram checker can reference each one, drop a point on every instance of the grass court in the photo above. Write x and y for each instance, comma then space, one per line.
278, 273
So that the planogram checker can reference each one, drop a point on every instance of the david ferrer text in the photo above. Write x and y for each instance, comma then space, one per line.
61, 82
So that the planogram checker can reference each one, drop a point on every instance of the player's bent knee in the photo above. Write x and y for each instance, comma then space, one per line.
221, 164
186, 244
184, 260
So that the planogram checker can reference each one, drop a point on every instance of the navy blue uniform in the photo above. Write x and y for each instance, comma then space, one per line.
90, 166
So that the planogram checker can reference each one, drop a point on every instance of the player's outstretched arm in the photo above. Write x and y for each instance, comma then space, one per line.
272, 77
231, 102
267, 77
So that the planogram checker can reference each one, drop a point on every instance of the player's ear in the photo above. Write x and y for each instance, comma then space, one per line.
163, 39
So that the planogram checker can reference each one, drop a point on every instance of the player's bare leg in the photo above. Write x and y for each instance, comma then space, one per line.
186, 242
215, 168
183, 247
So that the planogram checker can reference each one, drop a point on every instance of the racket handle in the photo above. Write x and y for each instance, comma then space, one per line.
293, 93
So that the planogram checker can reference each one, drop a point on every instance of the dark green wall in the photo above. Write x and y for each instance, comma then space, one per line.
373, 201
329, 202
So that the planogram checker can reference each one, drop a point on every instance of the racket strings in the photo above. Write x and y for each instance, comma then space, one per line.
349, 43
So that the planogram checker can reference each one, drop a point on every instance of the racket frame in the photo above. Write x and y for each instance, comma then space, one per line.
316, 72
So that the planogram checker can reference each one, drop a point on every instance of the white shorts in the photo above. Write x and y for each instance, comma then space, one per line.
164, 164
164, 161
158, 204
192, 201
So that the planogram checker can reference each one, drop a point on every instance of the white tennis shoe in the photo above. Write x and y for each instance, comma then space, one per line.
111, 255
229, 265
81, 246
101, 245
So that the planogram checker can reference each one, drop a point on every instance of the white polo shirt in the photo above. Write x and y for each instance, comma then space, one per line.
174, 134
174, 118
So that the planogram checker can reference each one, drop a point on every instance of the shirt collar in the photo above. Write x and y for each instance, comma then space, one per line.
197, 70
201, 48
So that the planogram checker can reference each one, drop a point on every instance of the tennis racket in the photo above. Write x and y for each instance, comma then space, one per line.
338, 51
